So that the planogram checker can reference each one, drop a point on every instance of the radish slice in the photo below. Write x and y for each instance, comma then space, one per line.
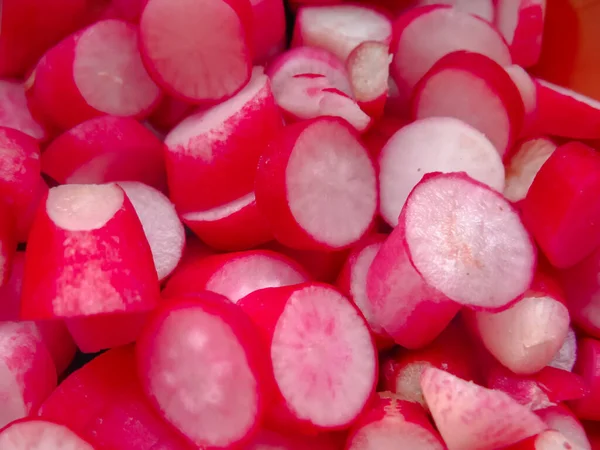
466, 241
269, 29
547, 440
8, 243
14, 112
40, 434
129, 10
561, 419
380, 133
340, 28
211, 30
25, 219
424, 35
471, 417
437, 144
588, 366
527, 89
475, 89
273, 440
481, 8
565, 357
316, 185
169, 113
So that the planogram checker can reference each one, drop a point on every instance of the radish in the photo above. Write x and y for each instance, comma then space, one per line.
8, 243
203, 369
565, 357
322, 355
24, 220
593, 433
481, 8
527, 89
561, 419
476, 90
437, 144
588, 366
466, 240
469, 416
14, 112
340, 28
269, 29
106, 149
316, 185
169, 113
129, 10
559, 209
40, 434
392, 423
546, 440
521, 22
234, 275
212, 155
215, 31
380, 132
93, 72
273, 440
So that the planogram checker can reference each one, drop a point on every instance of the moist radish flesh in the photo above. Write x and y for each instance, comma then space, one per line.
40, 434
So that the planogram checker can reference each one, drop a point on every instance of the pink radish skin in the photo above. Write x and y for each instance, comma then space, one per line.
212, 155
14, 112
469, 416
25, 219
380, 133
527, 89
234, 275
593, 433
480, 8
436, 144
561, 419
547, 440
114, 400
203, 369
8, 243
588, 366
234, 226
565, 357
94, 72
129, 10
269, 440
328, 386
268, 31
40, 434
106, 149
295, 179
391, 423
475, 89
216, 31
560, 210
169, 113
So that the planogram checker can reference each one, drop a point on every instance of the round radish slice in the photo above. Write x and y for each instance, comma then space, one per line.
14, 112
316, 185
546, 440
437, 144
213, 31
466, 240
565, 357
561, 419
268, 30
31, 434
475, 89
481, 8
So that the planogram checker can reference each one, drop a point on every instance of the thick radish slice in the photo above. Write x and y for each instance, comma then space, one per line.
212, 155
93, 72
214, 31
547, 440
31, 434
469, 416
588, 366
203, 369
340, 28
480, 8
475, 89
268, 30
316, 185
466, 240
561, 419
161, 224
436, 144
567, 354
14, 112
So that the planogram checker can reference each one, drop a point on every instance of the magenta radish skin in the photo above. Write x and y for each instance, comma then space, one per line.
287, 181
8, 243
24, 220
588, 366
268, 31
561, 419
169, 113
567, 354
14, 112
37, 433
267, 439
129, 10
380, 133
212, 155
480, 8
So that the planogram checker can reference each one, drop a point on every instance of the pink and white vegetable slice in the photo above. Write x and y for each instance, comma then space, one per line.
14, 112
316, 185
480, 8
215, 31
475, 89
268, 30
436, 144
567, 354
561, 419
588, 366
526, 86
466, 240
40, 434
469, 416
546, 440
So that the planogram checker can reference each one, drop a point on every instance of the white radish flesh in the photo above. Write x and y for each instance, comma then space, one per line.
14, 112
480, 8
561, 419
38, 434
369, 68
567, 354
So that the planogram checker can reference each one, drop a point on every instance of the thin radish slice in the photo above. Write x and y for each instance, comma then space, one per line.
526, 86
14, 112
31, 434
521, 22
93, 72
561, 419
567, 354
471, 417
8, 243
546, 440
316, 185
436, 144
475, 89
162, 226
269, 29
340, 28
212, 30
480, 8
466, 240
424, 35
588, 366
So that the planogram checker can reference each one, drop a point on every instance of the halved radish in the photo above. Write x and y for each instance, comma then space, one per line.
466, 240
481, 8
475, 89
14, 112
565, 357
40, 434
268, 29
8, 242
436, 144
588, 366
214, 31
93, 72
316, 185
561, 419
546, 440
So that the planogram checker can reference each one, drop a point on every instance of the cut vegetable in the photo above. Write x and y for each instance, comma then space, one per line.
565, 357
588, 366
268, 29
8, 243
561, 419
40, 434
547, 440
526, 86
481, 8
14, 112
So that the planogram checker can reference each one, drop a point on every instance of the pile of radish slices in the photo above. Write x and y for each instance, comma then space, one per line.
250, 225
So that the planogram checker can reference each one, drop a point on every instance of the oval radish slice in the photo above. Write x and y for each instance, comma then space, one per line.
212, 30
202, 368
481, 8
466, 240
565, 357
316, 185
588, 366
40, 434
561, 419
268, 30
436, 144
14, 112
424, 35
475, 89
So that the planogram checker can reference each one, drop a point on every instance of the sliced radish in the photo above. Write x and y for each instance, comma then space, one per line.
476, 90
14, 112
546, 440
316, 185
322, 355
274, 440
40, 434
481, 8
8, 243
588, 366
436, 144
269, 29
380, 133
169, 113
469, 416
561, 419
129, 10
466, 240
565, 357
94, 72
25, 218
526, 86
214, 31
